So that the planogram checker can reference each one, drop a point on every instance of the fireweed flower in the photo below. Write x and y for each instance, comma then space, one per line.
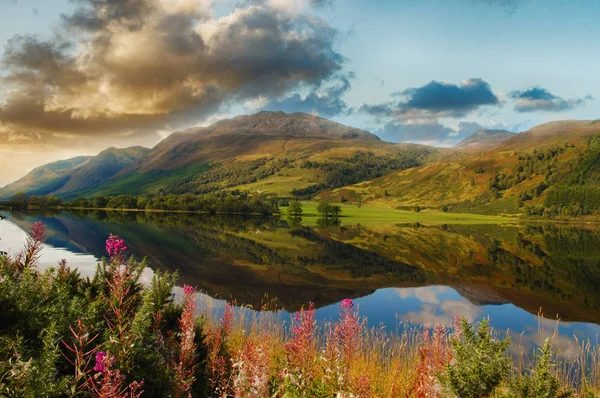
100, 365
348, 330
116, 248
301, 348
185, 367
347, 303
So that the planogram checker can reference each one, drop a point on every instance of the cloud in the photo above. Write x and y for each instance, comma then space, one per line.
129, 68
538, 99
443, 314
436, 99
327, 104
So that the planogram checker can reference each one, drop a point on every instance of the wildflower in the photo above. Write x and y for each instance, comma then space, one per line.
347, 303
347, 331
109, 382
301, 347
100, 365
434, 355
33, 246
185, 367
116, 248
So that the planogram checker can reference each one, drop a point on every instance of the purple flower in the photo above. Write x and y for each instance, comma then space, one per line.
347, 303
115, 247
100, 365
188, 290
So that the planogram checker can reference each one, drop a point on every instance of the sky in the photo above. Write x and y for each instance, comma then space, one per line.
78, 76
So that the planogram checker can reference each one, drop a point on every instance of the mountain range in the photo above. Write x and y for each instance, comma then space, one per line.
303, 155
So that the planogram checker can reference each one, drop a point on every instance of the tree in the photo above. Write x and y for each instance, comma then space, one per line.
328, 210
295, 209
323, 209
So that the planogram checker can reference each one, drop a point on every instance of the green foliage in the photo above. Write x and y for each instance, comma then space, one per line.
579, 193
327, 210
39, 314
541, 382
479, 362
360, 167
295, 209
221, 202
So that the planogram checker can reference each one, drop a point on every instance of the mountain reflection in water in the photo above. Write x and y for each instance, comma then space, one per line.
414, 273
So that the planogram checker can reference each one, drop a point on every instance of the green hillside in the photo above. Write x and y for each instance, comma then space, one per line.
539, 172
43, 176
69, 178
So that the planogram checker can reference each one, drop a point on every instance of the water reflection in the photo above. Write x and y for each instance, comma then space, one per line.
399, 273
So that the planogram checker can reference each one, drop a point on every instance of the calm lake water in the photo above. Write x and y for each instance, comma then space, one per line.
416, 274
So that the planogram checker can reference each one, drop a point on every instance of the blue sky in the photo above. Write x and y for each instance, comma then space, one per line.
429, 71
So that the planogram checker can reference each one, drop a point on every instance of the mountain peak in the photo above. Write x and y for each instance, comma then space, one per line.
279, 124
484, 139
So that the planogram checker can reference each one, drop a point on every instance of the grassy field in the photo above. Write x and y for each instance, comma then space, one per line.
369, 215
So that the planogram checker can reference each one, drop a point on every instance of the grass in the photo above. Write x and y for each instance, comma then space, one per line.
370, 215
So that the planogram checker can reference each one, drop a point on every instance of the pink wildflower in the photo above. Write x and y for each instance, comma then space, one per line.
226, 320
301, 347
434, 355
109, 382
347, 303
348, 330
35, 242
116, 248
185, 367
100, 365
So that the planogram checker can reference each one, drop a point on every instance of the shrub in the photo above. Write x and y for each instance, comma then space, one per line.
541, 382
479, 362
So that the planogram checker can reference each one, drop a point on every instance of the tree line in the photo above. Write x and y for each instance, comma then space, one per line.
234, 202
362, 166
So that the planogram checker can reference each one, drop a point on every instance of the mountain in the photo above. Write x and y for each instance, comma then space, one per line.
73, 175
244, 137
42, 175
552, 133
484, 139
545, 169
272, 152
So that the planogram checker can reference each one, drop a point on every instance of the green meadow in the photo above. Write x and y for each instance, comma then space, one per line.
369, 215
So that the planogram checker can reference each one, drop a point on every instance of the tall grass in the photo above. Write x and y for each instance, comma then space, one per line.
63, 335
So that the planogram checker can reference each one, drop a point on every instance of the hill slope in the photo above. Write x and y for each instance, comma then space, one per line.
484, 139
519, 174
69, 177
42, 175
248, 137
271, 152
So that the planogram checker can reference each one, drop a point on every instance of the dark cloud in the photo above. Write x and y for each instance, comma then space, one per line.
539, 99
94, 15
436, 99
127, 68
456, 99
327, 104
416, 133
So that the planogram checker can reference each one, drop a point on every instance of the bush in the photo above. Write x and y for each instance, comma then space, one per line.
541, 382
479, 362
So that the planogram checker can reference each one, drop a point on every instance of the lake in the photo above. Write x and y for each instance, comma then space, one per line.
397, 273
